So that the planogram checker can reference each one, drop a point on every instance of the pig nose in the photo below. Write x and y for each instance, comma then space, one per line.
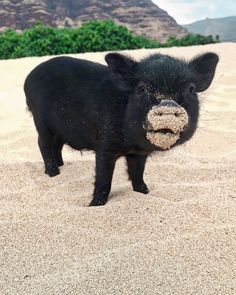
169, 107
168, 103
167, 115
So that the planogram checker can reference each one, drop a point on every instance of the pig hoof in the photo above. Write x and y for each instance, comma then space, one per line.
60, 162
53, 172
97, 202
141, 189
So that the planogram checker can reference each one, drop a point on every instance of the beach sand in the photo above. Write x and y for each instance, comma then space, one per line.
178, 239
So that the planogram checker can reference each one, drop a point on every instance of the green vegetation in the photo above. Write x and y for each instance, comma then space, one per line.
92, 36
191, 39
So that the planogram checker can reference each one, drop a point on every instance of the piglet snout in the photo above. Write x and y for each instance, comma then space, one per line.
167, 115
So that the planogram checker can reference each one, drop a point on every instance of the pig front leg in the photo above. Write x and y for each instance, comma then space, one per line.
136, 165
105, 164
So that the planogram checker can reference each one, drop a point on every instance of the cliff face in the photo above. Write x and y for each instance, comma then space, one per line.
225, 27
142, 17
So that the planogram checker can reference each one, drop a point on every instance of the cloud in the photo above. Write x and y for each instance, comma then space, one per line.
187, 11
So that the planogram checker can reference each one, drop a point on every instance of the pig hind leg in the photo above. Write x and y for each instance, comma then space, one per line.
45, 142
105, 164
57, 149
136, 165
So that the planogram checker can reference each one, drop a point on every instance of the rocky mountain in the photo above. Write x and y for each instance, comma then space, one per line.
142, 17
224, 27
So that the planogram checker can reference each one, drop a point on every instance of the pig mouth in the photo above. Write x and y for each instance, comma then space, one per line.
162, 131
163, 138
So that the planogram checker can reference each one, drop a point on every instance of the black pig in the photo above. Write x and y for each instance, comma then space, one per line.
123, 109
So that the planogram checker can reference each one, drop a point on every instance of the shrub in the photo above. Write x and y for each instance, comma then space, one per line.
106, 35
9, 40
91, 36
191, 39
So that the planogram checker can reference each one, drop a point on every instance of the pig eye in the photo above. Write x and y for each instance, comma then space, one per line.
192, 88
142, 87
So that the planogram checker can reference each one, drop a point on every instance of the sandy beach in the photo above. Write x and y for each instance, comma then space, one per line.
179, 239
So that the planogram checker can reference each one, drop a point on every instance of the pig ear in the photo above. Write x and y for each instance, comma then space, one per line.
203, 67
122, 69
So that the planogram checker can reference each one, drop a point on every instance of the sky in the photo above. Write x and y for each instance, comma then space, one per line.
187, 11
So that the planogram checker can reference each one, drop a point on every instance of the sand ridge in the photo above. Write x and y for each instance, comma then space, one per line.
178, 239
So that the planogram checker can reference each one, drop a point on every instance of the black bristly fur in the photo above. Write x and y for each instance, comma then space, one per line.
102, 108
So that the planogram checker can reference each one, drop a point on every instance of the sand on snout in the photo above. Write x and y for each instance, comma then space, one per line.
178, 239
174, 121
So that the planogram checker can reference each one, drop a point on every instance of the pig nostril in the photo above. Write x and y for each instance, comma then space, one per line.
160, 114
